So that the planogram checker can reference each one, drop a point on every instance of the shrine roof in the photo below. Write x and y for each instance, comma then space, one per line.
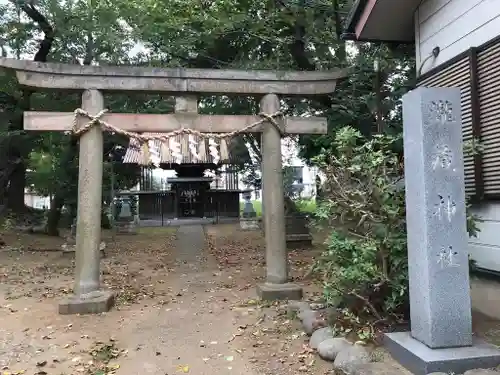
236, 153
168, 80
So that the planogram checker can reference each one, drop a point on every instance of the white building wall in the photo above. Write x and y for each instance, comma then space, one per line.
289, 150
454, 26
485, 249
36, 201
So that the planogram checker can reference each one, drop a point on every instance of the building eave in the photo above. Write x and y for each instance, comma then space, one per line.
376, 21
353, 19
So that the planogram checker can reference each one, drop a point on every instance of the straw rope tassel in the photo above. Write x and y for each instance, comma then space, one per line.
154, 153
165, 152
224, 152
193, 148
145, 160
183, 142
202, 151
175, 150
214, 152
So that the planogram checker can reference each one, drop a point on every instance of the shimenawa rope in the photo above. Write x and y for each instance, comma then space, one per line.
142, 138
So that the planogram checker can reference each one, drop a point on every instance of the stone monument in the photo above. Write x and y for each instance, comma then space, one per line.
441, 329
297, 231
248, 209
248, 219
298, 235
126, 221
69, 246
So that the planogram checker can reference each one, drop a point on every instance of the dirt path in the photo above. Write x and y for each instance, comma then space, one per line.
194, 334
181, 309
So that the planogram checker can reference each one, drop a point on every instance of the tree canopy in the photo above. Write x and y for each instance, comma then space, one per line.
239, 34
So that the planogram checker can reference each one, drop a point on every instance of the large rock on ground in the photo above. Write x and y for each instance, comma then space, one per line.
350, 358
319, 336
481, 372
298, 307
377, 368
311, 321
330, 348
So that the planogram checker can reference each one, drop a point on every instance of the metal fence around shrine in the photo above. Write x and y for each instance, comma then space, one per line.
160, 208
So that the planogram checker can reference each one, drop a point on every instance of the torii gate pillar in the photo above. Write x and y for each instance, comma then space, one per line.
87, 296
276, 286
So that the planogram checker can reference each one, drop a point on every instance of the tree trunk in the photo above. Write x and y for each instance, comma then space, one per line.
65, 190
341, 51
17, 179
15, 191
55, 214
72, 211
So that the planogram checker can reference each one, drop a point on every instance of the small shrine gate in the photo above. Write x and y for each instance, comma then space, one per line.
89, 122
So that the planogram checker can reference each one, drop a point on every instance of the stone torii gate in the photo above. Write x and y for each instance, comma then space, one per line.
187, 83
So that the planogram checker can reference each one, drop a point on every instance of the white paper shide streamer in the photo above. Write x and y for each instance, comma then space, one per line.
193, 148
154, 153
212, 147
175, 149
209, 173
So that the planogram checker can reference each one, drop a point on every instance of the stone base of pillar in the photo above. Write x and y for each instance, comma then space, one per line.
91, 303
279, 292
419, 359
72, 253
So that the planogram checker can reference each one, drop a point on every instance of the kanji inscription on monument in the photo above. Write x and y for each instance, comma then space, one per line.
441, 111
442, 157
446, 208
447, 257
436, 219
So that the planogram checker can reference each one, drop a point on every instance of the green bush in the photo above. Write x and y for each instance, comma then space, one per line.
306, 205
365, 266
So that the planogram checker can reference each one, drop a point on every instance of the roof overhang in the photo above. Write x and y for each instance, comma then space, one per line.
382, 21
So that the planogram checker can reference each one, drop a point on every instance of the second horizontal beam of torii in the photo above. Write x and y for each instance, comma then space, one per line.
164, 123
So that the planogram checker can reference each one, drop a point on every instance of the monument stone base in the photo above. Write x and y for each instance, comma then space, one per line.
298, 241
126, 227
69, 250
422, 360
279, 292
91, 303
247, 223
